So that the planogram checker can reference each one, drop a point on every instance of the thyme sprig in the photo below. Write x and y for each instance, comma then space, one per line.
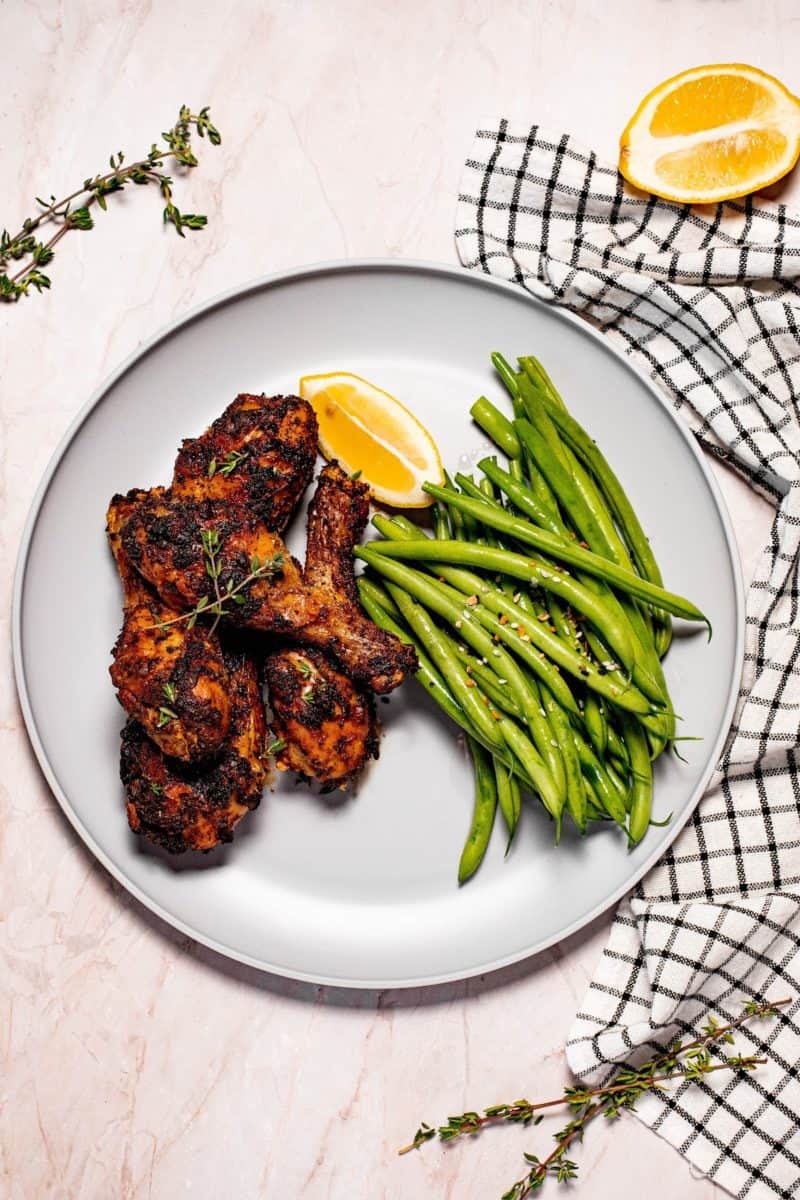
215, 605
73, 212
228, 464
686, 1061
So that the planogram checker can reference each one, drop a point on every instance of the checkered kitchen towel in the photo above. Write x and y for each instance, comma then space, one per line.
707, 303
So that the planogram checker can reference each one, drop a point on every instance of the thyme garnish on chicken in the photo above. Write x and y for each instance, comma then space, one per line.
73, 212
214, 606
228, 464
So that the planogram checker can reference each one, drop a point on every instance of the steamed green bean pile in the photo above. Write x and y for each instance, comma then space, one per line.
540, 619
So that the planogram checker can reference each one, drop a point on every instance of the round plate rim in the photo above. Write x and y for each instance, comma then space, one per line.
327, 268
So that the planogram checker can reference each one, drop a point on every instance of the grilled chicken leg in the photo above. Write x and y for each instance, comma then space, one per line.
164, 540
195, 806
171, 678
326, 724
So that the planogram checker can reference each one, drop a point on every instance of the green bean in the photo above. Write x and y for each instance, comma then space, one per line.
496, 426
489, 683
607, 795
508, 798
552, 755
559, 619
589, 452
609, 484
617, 748
424, 588
558, 475
469, 584
482, 815
646, 673
509, 379
576, 796
454, 513
569, 552
521, 497
377, 593
467, 485
434, 685
522, 749
534, 771
441, 522
420, 623
594, 718
504, 669
536, 414
624, 513
594, 809
641, 781
618, 783
552, 579
539, 377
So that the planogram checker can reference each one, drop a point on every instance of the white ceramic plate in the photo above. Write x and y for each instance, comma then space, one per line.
362, 891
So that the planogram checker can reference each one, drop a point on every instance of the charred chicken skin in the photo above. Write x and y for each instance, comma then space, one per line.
195, 806
192, 754
170, 678
336, 519
257, 457
164, 540
326, 724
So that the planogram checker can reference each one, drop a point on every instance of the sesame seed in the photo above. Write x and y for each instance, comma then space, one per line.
459, 624
470, 682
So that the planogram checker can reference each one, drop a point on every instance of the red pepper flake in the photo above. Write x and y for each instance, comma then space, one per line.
504, 619
470, 682
472, 601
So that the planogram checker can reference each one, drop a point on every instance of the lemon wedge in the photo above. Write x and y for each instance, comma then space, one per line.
711, 134
369, 431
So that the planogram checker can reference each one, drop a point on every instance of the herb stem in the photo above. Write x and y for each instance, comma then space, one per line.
148, 170
689, 1062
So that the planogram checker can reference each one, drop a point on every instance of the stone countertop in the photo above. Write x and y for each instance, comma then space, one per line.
136, 1064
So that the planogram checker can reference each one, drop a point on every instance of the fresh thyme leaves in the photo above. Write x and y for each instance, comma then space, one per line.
73, 211
304, 668
170, 692
165, 715
276, 745
689, 1061
216, 606
228, 465
156, 789
308, 696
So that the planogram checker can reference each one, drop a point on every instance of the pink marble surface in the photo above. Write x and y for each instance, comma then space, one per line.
134, 1063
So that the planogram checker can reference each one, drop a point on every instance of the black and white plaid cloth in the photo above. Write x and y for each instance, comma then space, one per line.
707, 303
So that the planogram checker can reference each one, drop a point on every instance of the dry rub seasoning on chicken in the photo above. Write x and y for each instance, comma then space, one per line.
205, 575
